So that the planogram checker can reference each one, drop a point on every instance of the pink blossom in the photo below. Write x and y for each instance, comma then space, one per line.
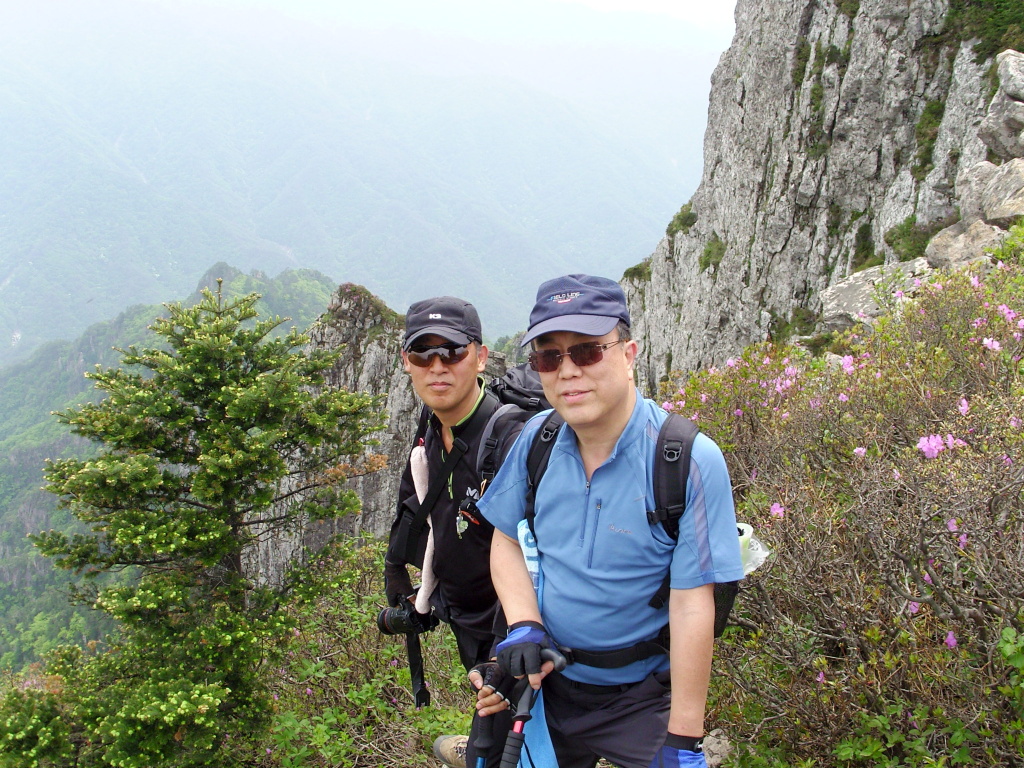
930, 446
766, 361
738, 412
777, 510
703, 397
917, 282
978, 322
309, 691
1007, 461
898, 294
1014, 422
927, 578
954, 442
962, 540
668, 405
1008, 313
913, 607
848, 363
731, 362
964, 407
992, 344
860, 451
896, 475
843, 397
951, 525
975, 282
950, 639
821, 677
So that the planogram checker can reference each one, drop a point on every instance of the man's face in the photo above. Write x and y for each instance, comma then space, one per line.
594, 397
448, 389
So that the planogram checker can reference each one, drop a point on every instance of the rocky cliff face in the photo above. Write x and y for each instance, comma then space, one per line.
829, 125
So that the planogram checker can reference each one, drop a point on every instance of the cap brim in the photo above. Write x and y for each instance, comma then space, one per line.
588, 325
445, 333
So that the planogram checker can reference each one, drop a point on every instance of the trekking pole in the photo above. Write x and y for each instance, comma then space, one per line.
514, 743
484, 740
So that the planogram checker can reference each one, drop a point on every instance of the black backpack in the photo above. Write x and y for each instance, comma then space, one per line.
521, 396
671, 471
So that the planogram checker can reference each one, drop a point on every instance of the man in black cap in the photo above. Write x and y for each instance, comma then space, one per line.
444, 355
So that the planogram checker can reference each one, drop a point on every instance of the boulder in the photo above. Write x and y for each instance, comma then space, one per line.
970, 186
1002, 200
1002, 130
962, 244
853, 300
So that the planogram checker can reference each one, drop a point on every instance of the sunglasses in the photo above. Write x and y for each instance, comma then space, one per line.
588, 353
450, 354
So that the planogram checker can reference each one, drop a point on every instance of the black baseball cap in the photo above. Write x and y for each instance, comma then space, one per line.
583, 304
446, 316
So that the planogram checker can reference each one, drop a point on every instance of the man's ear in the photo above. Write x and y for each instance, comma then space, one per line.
631, 349
406, 365
481, 358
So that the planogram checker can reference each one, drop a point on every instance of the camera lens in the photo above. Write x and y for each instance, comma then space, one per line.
394, 621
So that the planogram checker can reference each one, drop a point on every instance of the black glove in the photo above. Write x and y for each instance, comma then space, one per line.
492, 675
423, 622
397, 586
519, 653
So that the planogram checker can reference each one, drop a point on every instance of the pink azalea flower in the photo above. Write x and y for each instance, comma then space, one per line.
738, 412
975, 282
962, 540
843, 397
860, 451
848, 363
964, 407
930, 446
668, 405
927, 578
821, 677
951, 525
992, 344
913, 607
950, 639
777, 510
898, 294
731, 362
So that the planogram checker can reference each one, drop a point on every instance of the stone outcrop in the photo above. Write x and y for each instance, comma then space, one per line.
825, 131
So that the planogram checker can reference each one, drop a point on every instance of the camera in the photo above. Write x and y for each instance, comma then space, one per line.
404, 620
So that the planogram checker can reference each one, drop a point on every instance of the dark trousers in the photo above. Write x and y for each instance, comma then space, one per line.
475, 649
624, 724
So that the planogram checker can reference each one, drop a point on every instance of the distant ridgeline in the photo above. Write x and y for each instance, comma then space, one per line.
34, 613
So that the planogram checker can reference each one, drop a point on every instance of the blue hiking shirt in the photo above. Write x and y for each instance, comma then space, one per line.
602, 560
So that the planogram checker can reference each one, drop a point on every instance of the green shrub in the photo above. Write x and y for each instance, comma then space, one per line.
714, 250
886, 628
926, 132
800, 59
682, 221
639, 273
864, 255
995, 24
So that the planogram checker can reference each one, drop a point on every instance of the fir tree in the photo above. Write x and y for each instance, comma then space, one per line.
220, 437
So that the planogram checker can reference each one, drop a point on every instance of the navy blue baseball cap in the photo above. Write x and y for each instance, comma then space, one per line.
445, 316
583, 304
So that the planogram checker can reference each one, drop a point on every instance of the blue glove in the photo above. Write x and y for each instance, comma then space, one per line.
519, 653
672, 756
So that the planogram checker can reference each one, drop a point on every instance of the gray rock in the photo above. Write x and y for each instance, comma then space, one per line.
1003, 127
970, 186
853, 300
962, 244
1002, 199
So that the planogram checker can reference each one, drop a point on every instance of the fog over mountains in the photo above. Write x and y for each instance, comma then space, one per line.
144, 142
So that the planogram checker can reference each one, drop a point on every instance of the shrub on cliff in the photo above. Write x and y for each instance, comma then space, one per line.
889, 483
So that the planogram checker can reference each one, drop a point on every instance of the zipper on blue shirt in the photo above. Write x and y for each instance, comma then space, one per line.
586, 514
593, 536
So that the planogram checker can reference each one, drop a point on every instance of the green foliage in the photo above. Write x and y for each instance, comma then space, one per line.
800, 59
885, 629
995, 24
639, 273
908, 240
848, 7
343, 698
35, 615
209, 444
714, 250
800, 323
682, 221
864, 255
926, 132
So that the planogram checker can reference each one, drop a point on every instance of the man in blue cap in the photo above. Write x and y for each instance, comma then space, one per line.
600, 558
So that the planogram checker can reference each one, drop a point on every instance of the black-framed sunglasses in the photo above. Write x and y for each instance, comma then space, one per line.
587, 353
450, 354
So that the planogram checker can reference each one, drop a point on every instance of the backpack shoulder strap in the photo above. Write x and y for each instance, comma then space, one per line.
537, 461
672, 471
671, 474
495, 433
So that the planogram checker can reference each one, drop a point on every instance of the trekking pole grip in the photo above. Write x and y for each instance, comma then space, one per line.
513, 747
484, 734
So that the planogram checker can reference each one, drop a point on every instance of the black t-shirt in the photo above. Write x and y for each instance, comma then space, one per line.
462, 537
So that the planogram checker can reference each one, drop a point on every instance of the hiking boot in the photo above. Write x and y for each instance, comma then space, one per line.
451, 750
